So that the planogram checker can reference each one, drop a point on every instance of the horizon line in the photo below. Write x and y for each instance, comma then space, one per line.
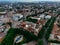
28, 1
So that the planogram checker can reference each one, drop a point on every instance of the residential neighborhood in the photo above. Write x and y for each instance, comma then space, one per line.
29, 23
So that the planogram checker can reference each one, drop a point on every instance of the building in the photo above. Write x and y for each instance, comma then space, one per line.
17, 17
47, 17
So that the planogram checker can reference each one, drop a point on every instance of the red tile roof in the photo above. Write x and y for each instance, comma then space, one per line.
55, 29
41, 21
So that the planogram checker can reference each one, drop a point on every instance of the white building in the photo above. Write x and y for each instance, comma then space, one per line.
1, 22
2, 16
2, 28
47, 17
42, 16
16, 17
2, 12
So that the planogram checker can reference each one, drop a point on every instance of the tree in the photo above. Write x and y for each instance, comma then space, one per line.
40, 42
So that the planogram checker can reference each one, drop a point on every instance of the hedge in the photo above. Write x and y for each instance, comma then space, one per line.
34, 15
46, 25
31, 20
9, 39
50, 28
54, 41
41, 32
40, 42
49, 31
27, 34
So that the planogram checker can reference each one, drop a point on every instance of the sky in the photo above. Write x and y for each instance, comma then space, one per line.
29, 0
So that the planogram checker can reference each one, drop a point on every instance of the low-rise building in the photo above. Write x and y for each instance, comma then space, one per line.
31, 27
55, 34
17, 17
47, 17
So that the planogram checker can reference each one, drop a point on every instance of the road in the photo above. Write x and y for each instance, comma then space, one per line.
44, 40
